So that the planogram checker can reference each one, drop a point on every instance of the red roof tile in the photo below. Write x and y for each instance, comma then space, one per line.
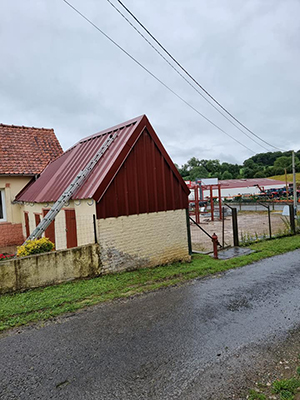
25, 150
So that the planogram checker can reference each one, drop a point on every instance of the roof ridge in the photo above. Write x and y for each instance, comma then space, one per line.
26, 127
111, 129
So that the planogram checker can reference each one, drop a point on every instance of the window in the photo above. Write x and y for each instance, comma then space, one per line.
2, 205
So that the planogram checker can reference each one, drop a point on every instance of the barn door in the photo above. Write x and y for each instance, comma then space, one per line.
50, 231
71, 229
37, 218
26, 224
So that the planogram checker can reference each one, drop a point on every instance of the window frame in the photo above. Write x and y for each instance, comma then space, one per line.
2, 194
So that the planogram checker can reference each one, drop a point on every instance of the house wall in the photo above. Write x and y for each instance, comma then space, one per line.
143, 240
84, 210
11, 229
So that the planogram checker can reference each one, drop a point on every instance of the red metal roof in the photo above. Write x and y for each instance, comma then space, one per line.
240, 183
60, 173
25, 150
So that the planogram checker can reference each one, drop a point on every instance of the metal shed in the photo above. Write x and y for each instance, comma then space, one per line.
134, 177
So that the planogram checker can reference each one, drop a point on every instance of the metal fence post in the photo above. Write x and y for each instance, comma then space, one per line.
188, 228
292, 218
223, 227
269, 219
235, 227
95, 228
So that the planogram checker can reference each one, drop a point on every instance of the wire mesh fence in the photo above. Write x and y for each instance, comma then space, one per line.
254, 222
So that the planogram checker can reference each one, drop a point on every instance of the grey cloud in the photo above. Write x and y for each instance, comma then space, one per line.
59, 72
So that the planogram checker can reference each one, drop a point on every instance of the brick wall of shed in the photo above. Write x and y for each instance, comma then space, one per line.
143, 240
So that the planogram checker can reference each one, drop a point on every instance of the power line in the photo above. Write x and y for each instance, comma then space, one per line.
183, 77
191, 77
154, 76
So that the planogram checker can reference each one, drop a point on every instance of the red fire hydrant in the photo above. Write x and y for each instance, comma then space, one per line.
215, 241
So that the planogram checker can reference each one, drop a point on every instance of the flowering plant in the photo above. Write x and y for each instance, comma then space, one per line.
5, 256
35, 246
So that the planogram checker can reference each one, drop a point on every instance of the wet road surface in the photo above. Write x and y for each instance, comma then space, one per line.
176, 343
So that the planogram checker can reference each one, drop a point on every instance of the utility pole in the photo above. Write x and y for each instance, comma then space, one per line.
294, 183
286, 185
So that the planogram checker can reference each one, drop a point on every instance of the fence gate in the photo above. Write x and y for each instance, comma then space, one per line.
201, 239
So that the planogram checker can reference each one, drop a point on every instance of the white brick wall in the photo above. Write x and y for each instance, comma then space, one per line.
143, 240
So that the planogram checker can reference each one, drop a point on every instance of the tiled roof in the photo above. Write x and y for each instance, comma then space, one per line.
25, 150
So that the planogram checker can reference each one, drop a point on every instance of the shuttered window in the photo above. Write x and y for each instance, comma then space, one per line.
2, 206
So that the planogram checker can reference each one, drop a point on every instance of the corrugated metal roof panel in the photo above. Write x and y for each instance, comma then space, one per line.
240, 183
60, 173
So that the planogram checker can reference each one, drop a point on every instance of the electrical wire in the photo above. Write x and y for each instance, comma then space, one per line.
154, 76
192, 78
183, 77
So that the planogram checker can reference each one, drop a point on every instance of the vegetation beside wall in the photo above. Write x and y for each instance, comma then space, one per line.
42, 304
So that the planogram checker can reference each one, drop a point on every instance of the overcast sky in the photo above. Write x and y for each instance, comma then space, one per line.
57, 71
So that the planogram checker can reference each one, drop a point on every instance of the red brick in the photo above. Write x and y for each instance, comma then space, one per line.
11, 234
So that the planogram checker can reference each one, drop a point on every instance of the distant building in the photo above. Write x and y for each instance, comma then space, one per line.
24, 153
234, 187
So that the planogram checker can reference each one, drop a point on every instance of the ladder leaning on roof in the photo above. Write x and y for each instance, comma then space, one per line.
71, 189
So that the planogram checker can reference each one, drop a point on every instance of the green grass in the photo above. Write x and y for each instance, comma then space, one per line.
253, 395
44, 303
289, 177
286, 388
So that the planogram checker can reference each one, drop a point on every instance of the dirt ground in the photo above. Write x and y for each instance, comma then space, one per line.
251, 225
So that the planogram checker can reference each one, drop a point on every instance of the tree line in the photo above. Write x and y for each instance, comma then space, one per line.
259, 166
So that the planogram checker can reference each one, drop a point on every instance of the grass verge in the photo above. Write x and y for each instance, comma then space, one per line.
44, 303
281, 389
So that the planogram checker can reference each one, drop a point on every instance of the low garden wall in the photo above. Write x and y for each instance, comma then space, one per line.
49, 268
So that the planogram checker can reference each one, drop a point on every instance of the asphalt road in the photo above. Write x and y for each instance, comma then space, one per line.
185, 342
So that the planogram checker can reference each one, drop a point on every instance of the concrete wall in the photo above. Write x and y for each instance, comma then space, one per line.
143, 240
84, 210
49, 268
11, 228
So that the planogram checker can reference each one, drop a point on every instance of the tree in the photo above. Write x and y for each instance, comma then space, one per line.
248, 173
198, 172
226, 175
260, 174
